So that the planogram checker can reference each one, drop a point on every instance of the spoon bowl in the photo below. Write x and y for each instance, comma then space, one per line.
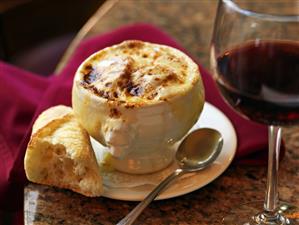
197, 151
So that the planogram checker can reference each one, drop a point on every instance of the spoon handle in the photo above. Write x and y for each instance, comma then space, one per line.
132, 216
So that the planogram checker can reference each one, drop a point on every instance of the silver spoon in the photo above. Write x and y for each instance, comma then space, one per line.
197, 151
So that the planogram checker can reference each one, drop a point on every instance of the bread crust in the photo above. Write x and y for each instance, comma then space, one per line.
59, 153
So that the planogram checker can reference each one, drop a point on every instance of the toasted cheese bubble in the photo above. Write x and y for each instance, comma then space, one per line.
139, 72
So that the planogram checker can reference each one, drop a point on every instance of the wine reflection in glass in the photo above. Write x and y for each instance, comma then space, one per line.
255, 62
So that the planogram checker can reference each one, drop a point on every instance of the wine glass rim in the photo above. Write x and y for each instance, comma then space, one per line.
263, 16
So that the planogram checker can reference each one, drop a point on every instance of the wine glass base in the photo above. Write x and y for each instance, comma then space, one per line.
249, 214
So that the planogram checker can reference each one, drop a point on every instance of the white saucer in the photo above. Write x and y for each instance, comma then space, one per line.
210, 117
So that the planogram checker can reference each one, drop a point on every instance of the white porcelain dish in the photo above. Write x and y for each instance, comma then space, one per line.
136, 187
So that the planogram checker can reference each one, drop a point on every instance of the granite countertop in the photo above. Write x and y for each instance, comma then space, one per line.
190, 22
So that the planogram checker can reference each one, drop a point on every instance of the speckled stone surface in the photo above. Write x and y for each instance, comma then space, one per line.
190, 22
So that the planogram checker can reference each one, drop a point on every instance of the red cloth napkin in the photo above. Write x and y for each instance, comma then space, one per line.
24, 95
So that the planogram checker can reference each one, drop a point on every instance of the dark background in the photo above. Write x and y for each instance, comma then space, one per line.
35, 33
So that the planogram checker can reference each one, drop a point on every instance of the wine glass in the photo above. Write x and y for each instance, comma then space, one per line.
255, 62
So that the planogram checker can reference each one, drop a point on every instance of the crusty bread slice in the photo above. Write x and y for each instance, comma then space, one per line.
60, 154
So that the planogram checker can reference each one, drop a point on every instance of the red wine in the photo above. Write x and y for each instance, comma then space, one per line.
261, 80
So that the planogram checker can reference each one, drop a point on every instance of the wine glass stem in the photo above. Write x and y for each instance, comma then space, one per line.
271, 200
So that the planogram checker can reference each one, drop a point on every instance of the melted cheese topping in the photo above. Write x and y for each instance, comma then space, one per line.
138, 72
